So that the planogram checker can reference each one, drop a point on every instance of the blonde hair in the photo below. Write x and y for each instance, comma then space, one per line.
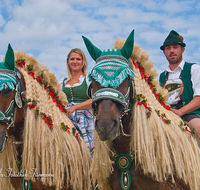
55, 151
85, 64
163, 150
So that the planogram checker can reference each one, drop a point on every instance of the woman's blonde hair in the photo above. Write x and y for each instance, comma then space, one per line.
82, 54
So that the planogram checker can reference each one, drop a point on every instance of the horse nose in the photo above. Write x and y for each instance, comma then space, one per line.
107, 120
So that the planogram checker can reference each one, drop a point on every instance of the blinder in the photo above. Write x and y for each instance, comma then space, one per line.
111, 94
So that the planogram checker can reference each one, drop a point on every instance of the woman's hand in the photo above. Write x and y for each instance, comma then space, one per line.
81, 106
71, 110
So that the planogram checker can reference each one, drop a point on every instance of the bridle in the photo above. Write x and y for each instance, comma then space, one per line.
8, 117
116, 96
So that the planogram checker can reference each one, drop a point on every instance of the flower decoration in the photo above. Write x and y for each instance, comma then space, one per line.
163, 117
65, 127
149, 79
33, 104
20, 62
52, 94
143, 101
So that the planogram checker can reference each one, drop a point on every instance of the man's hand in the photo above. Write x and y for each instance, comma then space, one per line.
177, 112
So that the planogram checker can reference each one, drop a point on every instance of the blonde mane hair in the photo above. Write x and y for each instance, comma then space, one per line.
162, 150
55, 151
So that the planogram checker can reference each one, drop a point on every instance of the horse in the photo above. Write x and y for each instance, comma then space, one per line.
139, 143
40, 147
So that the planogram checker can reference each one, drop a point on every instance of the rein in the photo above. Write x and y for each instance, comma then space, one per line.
8, 117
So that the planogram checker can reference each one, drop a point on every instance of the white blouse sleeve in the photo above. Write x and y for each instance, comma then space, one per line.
61, 82
87, 81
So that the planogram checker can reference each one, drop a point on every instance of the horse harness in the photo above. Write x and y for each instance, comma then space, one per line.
114, 95
123, 161
8, 117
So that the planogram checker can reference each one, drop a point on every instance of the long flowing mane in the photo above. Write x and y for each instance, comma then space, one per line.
50, 151
161, 147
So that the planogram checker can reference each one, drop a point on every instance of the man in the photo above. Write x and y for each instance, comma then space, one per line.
182, 80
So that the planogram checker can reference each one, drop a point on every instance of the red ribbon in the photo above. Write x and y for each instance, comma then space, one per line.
51, 93
186, 129
68, 129
140, 68
32, 74
39, 79
46, 87
32, 106
166, 107
146, 77
164, 120
77, 136
150, 84
21, 63
60, 106
144, 104
50, 123
45, 118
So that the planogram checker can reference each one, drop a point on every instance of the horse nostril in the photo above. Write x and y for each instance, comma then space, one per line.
115, 123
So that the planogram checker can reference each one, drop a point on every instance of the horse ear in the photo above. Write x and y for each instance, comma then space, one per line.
10, 58
93, 50
127, 48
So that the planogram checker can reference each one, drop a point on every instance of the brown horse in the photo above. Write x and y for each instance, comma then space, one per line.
136, 145
40, 148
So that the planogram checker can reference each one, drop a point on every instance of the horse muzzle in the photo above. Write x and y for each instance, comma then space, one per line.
107, 123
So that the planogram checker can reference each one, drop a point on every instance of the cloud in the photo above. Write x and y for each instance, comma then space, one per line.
173, 6
2, 21
48, 29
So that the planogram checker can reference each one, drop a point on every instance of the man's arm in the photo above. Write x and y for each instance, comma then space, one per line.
193, 105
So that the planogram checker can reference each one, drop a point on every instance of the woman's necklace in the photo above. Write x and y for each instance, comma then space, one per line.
74, 81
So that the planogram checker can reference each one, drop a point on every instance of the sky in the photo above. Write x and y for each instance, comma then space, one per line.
49, 29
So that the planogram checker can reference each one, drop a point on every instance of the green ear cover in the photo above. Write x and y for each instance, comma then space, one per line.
10, 59
93, 50
127, 48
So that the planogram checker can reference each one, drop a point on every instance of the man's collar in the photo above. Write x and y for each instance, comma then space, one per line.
179, 66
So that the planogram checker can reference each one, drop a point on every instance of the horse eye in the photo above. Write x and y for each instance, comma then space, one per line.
6, 92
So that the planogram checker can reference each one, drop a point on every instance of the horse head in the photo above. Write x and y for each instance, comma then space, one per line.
11, 91
111, 88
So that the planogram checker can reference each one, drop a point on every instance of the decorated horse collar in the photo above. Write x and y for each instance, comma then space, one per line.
123, 162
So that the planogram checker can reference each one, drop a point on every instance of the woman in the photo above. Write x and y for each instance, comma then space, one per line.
75, 88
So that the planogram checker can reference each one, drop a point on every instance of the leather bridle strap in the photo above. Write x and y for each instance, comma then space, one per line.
8, 117
111, 94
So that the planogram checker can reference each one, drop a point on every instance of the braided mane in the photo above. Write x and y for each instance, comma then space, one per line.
49, 143
163, 145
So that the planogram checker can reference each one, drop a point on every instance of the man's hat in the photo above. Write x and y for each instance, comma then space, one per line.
173, 38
